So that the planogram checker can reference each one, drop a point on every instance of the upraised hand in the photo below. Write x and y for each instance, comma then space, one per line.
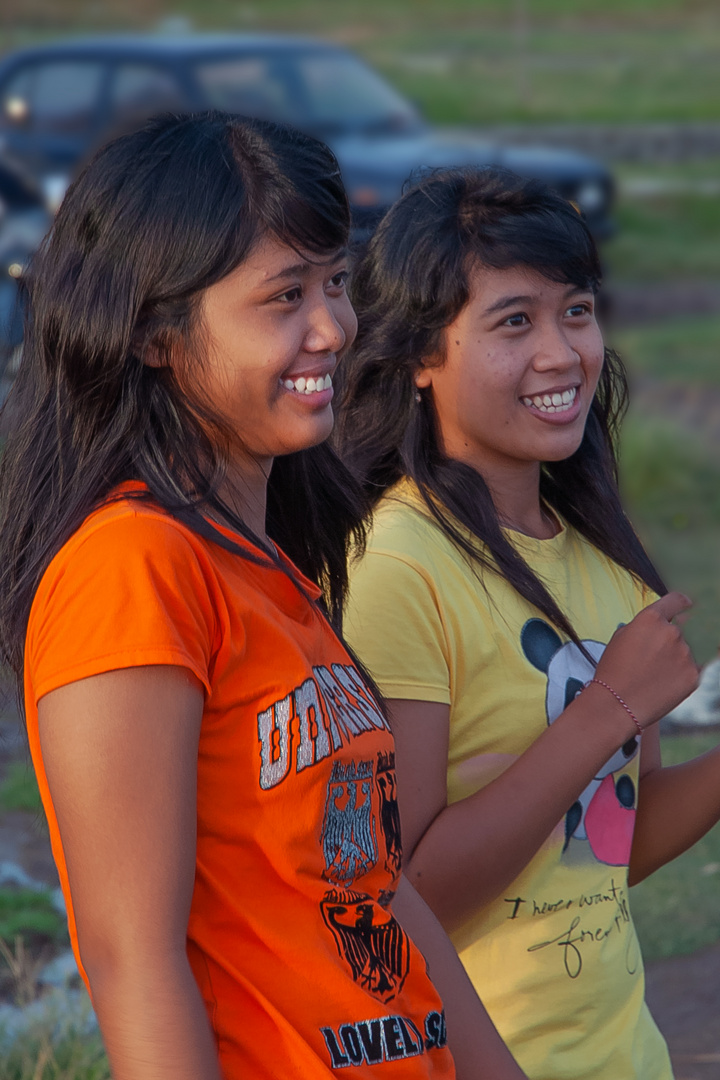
648, 663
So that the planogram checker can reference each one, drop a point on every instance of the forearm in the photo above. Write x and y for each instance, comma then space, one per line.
474, 849
476, 1046
153, 1020
676, 807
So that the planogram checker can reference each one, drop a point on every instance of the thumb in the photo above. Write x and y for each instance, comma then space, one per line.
671, 605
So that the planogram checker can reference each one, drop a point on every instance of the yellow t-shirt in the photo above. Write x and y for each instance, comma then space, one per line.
555, 959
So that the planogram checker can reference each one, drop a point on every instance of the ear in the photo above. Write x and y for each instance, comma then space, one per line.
539, 643
423, 378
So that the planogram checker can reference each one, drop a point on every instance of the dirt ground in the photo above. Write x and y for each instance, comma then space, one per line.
684, 997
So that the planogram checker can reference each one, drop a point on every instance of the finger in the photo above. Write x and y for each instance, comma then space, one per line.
671, 605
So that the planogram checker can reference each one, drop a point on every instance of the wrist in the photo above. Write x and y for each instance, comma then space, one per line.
598, 687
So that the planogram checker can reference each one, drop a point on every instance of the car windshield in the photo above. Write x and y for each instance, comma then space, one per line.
326, 92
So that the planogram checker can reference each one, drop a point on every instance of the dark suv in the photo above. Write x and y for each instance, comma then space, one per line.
59, 101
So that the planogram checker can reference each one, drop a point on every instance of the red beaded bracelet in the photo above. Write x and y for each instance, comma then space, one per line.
624, 704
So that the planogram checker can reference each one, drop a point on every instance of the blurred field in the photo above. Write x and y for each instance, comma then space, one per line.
668, 223
670, 466
677, 910
470, 61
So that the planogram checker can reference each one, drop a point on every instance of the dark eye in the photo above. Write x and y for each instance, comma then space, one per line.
338, 281
291, 296
578, 310
519, 319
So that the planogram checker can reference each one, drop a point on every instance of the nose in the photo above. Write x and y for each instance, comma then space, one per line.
324, 333
555, 350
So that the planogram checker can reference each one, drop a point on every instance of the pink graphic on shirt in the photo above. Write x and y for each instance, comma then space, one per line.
609, 825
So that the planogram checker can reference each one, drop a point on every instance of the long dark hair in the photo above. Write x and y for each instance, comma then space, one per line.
157, 217
411, 284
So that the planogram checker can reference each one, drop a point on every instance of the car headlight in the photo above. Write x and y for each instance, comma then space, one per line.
589, 197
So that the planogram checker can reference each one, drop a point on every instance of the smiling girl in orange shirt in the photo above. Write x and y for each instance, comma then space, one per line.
217, 775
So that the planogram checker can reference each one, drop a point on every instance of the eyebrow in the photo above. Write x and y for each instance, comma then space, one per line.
300, 268
512, 301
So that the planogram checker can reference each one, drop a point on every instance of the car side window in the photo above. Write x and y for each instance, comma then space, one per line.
342, 90
139, 90
252, 85
57, 98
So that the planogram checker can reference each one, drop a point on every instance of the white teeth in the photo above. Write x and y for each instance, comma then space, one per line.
550, 403
308, 385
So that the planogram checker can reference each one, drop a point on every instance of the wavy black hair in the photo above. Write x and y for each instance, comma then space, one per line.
411, 284
157, 217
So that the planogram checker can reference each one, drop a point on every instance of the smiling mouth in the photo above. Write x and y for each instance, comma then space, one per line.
309, 385
552, 403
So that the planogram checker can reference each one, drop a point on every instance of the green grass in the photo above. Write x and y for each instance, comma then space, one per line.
670, 477
665, 237
26, 912
684, 350
670, 472
74, 1057
671, 487
19, 791
677, 909
689, 560
477, 74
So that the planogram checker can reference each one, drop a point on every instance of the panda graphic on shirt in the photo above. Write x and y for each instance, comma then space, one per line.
604, 814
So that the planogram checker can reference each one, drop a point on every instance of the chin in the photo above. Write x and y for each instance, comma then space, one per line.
563, 453
312, 435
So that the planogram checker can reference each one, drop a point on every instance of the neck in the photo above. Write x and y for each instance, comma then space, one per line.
516, 494
244, 491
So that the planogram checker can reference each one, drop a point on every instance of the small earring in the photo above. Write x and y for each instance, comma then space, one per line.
418, 399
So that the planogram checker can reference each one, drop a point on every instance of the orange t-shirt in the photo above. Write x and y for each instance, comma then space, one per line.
303, 969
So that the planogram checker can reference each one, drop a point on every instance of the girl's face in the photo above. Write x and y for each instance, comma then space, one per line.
521, 363
276, 328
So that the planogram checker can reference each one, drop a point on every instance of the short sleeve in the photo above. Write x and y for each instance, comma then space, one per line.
394, 624
129, 591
